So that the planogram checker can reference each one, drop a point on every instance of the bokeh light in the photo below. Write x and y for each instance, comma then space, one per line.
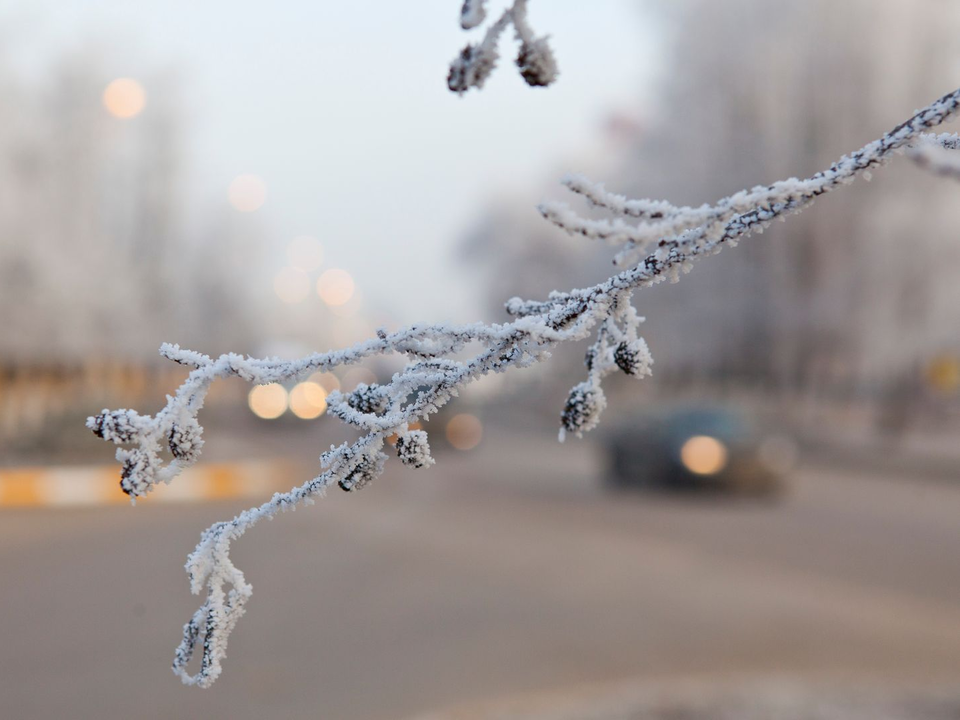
247, 192
464, 431
349, 309
124, 98
704, 455
268, 401
327, 380
291, 285
335, 287
943, 374
305, 252
308, 400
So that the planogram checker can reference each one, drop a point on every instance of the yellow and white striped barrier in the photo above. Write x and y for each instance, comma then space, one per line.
100, 485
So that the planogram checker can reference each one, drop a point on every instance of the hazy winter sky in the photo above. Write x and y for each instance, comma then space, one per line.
342, 108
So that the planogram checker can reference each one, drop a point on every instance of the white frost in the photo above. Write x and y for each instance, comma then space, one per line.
432, 375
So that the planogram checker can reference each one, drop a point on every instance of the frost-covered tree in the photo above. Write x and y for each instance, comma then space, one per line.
656, 241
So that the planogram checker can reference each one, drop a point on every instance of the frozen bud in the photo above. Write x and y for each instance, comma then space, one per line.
634, 358
472, 13
361, 475
369, 399
118, 426
471, 68
413, 448
185, 440
537, 63
138, 471
584, 405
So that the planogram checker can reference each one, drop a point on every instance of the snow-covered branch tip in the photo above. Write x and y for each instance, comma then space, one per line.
640, 225
937, 153
473, 65
667, 237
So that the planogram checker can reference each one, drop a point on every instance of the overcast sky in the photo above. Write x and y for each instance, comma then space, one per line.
342, 108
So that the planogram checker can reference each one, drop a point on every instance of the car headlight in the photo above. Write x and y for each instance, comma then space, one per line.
704, 455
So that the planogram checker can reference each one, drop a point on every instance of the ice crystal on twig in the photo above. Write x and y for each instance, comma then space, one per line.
583, 407
938, 154
413, 448
473, 65
441, 359
634, 358
185, 441
472, 13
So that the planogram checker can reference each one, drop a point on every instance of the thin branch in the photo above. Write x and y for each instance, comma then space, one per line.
432, 375
473, 65
938, 154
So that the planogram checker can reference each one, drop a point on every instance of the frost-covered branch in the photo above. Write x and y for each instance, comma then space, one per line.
938, 154
705, 227
473, 65
433, 374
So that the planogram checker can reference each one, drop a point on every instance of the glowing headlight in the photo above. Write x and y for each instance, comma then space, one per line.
704, 455
268, 401
308, 400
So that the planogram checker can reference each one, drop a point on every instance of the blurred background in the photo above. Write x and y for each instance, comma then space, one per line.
767, 527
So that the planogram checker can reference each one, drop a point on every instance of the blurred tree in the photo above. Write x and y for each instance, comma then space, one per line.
98, 255
855, 291
848, 296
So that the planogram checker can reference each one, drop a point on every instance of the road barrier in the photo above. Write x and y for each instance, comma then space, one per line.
100, 485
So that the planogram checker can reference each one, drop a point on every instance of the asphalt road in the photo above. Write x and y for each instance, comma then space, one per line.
497, 573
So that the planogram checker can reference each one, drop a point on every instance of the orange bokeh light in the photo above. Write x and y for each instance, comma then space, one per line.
124, 98
335, 287
247, 192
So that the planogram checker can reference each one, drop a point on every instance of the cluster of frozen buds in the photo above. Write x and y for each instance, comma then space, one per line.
473, 65
668, 237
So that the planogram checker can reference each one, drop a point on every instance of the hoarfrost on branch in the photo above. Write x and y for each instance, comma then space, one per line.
473, 65
657, 240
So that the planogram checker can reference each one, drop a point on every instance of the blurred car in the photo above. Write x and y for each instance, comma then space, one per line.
697, 449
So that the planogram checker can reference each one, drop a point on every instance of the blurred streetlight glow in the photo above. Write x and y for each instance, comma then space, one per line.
335, 287
305, 252
327, 380
124, 98
943, 374
268, 401
291, 285
308, 400
464, 431
349, 309
247, 192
